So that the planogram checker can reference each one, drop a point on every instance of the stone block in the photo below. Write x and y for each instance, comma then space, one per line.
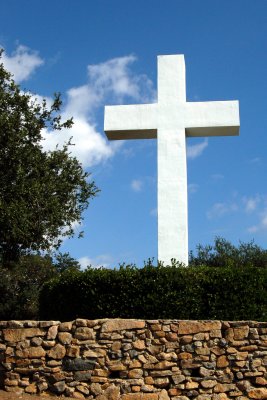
191, 385
77, 364
208, 384
135, 389
178, 379
164, 395
52, 332
222, 362
31, 389
47, 324
192, 327
78, 395
260, 381
64, 337
81, 322
161, 382
17, 335
135, 364
135, 373
57, 352
224, 387
139, 344
36, 352
121, 324
58, 387
241, 333
82, 376
260, 393
65, 326
14, 389
73, 351
84, 333
83, 389
112, 393
96, 389
132, 396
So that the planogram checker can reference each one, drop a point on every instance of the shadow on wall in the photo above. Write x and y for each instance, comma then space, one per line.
2, 378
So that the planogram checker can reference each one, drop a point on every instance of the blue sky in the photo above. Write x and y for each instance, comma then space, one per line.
105, 52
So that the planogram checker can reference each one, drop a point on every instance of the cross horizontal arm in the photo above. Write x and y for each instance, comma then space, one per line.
216, 118
131, 122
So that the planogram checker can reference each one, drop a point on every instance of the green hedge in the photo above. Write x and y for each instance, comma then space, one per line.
227, 293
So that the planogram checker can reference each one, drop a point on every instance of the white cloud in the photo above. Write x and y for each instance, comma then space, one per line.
103, 260
262, 225
193, 188
90, 147
253, 229
81, 101
258, 204
75, 225
217, 177
251, 203
220, 209
84, 262
136, 185
196, 150
264, 220
115, 77
109, 81
255, 160
22, 62
250, 207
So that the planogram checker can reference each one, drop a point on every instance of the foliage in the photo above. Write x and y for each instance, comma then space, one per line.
176, 292
20, 285
55, 288
223, 253
41, 193
64, 262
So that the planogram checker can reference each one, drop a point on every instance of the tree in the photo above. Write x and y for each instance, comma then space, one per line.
223, 253
42, 194
20, 286
64, 262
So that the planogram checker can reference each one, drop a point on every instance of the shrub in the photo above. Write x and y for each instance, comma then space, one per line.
20, 286
175, 292
22, 281
223, 253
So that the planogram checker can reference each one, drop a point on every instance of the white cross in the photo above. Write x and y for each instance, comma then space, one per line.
169, 121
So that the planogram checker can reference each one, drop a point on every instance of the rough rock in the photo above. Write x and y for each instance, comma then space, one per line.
260, 393
57, 352
122, 324
17, 335
77, 364
190, 327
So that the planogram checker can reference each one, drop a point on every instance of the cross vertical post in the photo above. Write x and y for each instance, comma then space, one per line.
172, 170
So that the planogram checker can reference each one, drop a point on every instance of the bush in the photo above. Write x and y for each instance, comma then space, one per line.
174, 292
20, 285
223, 253
22, 281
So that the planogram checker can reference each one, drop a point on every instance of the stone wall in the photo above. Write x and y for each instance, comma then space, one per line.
135, 359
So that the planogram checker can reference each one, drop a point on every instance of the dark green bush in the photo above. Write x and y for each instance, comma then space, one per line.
20, 285
222, 282
200, 292
22, 281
